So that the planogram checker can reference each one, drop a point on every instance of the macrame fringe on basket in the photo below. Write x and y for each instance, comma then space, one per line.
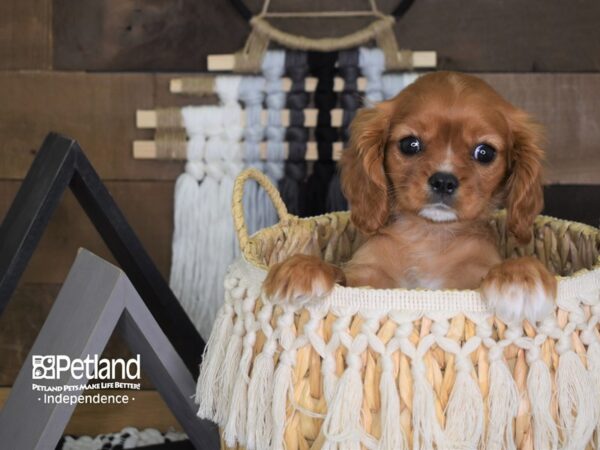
401, 369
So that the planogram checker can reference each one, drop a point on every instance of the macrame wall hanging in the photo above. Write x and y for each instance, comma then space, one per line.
287, 114
379, 29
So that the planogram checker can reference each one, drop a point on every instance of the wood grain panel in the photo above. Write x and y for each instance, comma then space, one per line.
568, 106
150, 35
578, 203
507, 35
148, 410
25, 34
148, 207
96, 109
469, 35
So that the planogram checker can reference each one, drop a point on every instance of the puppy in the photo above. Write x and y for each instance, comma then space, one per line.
423, 173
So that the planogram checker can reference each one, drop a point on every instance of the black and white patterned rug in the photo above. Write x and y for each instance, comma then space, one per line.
127, 438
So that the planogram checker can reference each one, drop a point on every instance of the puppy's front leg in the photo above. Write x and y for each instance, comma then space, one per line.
520, 288
300, 278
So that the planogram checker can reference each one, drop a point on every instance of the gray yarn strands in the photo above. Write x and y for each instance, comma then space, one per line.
350, 102
295, 168
393, 83
372, 65
252, 96
273, 68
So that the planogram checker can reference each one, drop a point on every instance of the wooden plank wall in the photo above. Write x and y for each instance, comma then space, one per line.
82, 67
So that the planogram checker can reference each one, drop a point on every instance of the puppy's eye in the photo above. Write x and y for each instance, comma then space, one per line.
484, 153
410, 145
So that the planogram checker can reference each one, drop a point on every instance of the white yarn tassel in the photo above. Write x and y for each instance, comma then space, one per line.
342, 428
227, 88
187, 242
392, 433
503, 406
260, 393
207, 388
182, 268
464, 413
229, 373
210, 259
593, 361
235, 428
578, 409
426, 428
539, 389
281, 389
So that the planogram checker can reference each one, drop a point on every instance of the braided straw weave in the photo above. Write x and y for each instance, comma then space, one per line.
399, 369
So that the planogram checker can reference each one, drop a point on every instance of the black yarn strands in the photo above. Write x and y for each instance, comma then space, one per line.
322, 66
350, 102
292, 185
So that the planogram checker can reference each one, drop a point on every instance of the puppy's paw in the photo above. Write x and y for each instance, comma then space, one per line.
301, 278
520, 288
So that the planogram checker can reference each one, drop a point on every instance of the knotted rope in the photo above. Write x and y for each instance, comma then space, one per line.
380, 29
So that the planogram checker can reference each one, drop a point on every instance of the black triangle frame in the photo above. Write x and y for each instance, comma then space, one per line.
61, 164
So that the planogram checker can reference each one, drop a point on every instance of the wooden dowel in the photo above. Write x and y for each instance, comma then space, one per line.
147, 118
225, 63
177, 85
147, 150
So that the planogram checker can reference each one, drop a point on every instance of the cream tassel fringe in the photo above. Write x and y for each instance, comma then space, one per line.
207, 388
503, 404
593, 360
342, 427
235, 428
260, 393
426, 428
392, 433
464, 413
281, 391
229, 372
578, 409
539, 389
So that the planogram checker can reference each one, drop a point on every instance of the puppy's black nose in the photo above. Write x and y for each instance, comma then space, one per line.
443, 183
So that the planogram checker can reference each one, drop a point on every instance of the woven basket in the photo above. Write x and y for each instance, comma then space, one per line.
399, 369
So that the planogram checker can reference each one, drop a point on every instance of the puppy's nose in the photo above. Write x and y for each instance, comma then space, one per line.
443, 183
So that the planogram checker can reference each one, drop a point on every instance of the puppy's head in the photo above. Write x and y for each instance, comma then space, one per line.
447, 148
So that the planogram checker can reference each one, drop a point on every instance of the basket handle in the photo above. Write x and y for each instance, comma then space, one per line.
239, 219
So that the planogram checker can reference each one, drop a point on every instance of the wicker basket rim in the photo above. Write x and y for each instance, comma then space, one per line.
467, 300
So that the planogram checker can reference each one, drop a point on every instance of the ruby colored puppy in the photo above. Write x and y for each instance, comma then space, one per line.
423, 173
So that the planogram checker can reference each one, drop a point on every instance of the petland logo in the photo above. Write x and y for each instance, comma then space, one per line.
52, 367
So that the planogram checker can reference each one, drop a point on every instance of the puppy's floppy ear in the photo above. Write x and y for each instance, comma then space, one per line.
363, 178
525, 198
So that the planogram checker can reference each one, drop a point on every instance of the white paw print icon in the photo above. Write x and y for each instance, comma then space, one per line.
43, 367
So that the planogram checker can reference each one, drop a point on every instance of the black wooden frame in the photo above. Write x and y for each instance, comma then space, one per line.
61, 164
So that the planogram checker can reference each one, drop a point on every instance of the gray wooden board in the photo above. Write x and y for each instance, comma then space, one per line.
96, 299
